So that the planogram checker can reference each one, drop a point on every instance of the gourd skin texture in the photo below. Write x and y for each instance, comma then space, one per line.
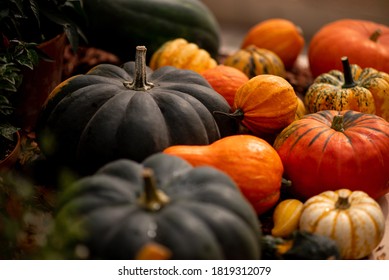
94, 118
327, 92
225, 80
356, 158
268, 104
120, 25
249, 160
206, 217
357, 228
255, 61
182, 54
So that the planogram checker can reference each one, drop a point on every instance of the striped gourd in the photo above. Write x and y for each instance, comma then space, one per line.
363, 90
254, 61
351, 218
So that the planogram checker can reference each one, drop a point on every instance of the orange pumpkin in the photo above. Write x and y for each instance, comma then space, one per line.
225, 80
265, 105
281, 36
365, 43
249, 160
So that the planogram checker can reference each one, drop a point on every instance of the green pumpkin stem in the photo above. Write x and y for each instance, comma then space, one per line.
342, 203
338, 123
348, 75
140, 78
376, 34
152, 199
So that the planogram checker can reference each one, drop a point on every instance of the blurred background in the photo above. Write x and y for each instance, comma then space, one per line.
237, 16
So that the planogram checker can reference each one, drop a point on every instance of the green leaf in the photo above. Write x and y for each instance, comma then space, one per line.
8, 131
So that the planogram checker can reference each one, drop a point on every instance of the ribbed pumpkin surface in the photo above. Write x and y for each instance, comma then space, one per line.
353, 219
319, 155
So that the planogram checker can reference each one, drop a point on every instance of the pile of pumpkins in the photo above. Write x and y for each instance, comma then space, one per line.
182, 154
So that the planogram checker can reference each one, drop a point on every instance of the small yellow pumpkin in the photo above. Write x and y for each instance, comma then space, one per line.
183, 55
254, 61
351, 218
286, 217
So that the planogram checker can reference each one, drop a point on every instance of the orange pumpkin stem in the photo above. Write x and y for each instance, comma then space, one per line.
376, 34
348, 76
140, 78
152, 199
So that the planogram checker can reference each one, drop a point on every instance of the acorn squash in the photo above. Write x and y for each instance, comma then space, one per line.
118, 26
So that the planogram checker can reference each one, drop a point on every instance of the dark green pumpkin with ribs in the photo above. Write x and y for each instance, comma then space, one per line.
196, 213
128, 112
119, 26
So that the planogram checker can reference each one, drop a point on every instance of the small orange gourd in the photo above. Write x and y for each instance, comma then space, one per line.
225, 80
250, 161
281, 36
265, 105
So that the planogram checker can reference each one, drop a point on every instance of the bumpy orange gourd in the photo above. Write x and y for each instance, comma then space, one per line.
265, 105
281, 36
255, 61
183, 55
250, 161
225, 80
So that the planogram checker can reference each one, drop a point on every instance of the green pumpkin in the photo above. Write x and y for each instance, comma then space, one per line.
119, 26
128, 112
196, 213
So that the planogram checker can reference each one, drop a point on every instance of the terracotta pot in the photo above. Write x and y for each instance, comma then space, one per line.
11, 159
38, 83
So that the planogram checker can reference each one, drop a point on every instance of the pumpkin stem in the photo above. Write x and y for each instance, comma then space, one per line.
348, 76
338, 123
342, 203
140, 79
376, 34
152, 199
237, 115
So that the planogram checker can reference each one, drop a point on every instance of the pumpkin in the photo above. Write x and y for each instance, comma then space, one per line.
281, 36
119, 26
183, 55
365, 43
338, 91
225, 80
191, 213
331, 149
352, 218
300, 245
286, 217
113, 112
265, 105
254, 61
250, 161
